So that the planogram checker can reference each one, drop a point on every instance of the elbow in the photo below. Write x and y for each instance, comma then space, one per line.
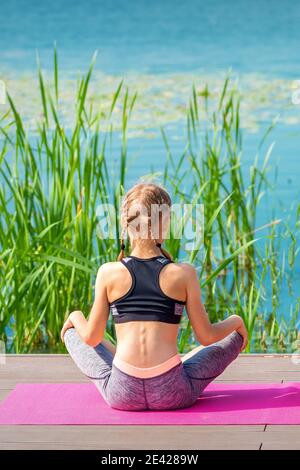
205, 339
91, 340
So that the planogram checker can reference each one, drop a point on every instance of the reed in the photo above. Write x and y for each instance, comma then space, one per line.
53, 179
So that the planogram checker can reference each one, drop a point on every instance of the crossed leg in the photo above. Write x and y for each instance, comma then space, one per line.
94, 362
204, 364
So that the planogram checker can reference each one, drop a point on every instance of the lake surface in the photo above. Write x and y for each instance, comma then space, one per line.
154, 36
162, 47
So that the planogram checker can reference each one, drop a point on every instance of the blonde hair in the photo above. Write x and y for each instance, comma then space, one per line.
147, 195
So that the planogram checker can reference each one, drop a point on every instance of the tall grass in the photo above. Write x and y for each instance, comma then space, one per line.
233, 269
53, 179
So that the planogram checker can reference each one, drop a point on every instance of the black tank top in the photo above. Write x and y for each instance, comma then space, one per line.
145, 300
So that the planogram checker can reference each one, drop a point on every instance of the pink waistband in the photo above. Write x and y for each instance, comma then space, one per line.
146, 372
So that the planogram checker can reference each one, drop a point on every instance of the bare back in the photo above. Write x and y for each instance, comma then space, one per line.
146, 343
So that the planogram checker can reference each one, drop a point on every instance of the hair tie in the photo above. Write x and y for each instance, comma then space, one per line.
122, 246
158, 245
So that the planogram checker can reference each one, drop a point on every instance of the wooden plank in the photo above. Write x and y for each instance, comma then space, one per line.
286, 379
274, 365
285, 440
66, 360
242, 358
17, 356
261, 375
133, 437
246, 358
41, 366
29, 369
37, 372
282, 428
281, 437
61, 368
40, 446
51, 367
251, 356
10, 384
44, 377
208, 442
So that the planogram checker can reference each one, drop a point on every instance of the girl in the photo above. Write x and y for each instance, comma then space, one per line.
146, 292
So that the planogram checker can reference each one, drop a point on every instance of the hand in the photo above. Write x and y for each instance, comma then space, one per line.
66, 326
244, 333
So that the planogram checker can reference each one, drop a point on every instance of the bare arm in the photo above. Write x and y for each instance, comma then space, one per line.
206, 332
92, 330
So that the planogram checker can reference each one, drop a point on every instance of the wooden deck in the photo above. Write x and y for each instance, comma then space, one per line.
60, 368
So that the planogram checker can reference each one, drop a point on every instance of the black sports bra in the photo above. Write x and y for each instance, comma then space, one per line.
145, 300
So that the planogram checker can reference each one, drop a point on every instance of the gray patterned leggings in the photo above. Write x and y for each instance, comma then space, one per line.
179, 387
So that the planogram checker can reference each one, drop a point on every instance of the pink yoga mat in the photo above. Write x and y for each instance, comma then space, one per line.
220, 404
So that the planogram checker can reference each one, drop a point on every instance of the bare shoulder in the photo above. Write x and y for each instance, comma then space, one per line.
183, 270
186, 268
110, 268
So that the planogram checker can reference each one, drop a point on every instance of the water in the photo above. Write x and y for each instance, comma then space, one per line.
164, 46
155, 37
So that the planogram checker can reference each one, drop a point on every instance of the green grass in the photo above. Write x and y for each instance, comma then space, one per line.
53, 179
